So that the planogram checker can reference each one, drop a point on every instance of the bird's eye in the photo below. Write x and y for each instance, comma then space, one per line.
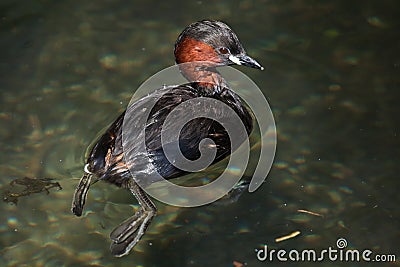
223, 50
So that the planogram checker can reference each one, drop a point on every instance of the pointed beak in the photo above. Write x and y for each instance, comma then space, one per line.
245, 60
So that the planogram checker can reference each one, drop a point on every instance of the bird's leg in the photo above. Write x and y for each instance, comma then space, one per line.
81, 194
128, 233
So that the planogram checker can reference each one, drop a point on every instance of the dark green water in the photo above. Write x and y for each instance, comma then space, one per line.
67, 68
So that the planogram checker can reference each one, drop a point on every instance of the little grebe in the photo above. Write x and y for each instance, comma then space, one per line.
208, 41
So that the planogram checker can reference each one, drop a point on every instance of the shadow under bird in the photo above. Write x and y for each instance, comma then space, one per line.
208, 41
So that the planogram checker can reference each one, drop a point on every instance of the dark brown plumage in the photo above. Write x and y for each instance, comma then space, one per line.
206, 41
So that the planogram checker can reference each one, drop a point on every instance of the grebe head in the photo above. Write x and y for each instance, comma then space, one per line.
212, 41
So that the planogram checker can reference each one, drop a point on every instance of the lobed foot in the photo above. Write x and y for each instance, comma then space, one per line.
126, 235
80, 194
